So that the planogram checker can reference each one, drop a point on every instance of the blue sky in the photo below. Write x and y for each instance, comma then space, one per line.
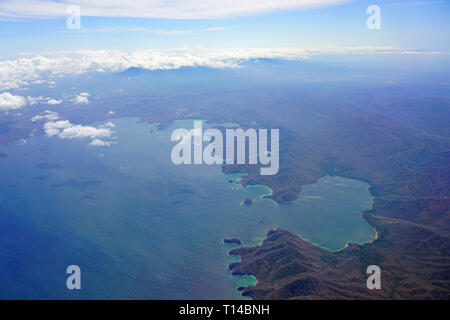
416, 25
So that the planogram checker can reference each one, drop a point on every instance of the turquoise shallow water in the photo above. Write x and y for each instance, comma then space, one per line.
142, 227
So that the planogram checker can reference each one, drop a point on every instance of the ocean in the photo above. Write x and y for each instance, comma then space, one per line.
141, 227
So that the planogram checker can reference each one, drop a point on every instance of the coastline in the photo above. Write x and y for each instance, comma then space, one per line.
266, 193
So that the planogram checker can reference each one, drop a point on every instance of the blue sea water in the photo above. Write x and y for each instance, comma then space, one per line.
141, 227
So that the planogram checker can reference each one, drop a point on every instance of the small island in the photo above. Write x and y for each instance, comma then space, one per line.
232, 240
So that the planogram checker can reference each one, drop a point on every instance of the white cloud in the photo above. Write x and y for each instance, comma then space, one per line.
81, 98
10, 102
48, 115
34, 100
25, 71
109, 124
64, 129
56, 127
50, 67
54, 101
80, 132
175, 9
100, 143
216, 29
414, 3
140, 29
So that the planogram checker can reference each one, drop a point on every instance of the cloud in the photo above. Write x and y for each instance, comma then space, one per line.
140, 29
100, 143
414, 3
10, 102
25, 71
35, 100
54, 101
54, 128
81, 98
109, 124
175, 9
48, 115
216, 29
80, 132
64, 129
47, 68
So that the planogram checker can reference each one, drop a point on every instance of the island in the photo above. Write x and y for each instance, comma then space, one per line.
232, 240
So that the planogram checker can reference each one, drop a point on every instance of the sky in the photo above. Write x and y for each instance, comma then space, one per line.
40, 26
40, 46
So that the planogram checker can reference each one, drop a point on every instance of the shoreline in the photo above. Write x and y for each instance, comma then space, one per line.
262, 239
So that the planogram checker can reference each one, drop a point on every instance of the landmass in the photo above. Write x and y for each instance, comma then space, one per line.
288, 267
409, 177
396, 141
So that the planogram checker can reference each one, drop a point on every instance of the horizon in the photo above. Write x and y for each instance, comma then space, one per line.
37, 27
